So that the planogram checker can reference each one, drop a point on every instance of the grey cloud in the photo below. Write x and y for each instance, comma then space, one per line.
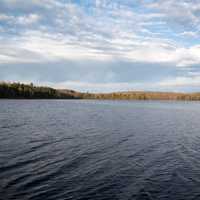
88, 71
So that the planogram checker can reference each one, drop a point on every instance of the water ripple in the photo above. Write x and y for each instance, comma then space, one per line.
99, 150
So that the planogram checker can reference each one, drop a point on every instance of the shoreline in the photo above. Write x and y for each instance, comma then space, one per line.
20, 91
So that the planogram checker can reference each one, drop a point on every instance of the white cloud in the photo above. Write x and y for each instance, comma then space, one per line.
43, 47
181, 82
20, 20
188, 56
189, 34
4, 17
30, 19
183, 13
119, 33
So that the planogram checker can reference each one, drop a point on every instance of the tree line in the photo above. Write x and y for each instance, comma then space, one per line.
30, 91
144, 96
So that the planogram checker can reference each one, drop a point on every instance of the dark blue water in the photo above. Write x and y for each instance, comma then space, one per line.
95, 150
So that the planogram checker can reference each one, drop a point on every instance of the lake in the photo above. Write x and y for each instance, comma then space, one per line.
99, 150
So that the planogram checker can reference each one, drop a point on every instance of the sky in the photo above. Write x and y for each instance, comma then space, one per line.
102, 45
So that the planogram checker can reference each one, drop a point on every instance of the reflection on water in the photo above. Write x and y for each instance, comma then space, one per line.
99, 150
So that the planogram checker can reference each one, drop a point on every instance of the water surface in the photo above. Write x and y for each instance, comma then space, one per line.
99, 150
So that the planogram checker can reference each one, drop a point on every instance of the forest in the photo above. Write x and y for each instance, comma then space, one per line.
30, 91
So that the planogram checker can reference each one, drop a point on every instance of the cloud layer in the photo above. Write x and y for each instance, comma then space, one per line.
101, 45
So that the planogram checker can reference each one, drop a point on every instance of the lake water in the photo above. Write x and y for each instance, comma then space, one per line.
99, 150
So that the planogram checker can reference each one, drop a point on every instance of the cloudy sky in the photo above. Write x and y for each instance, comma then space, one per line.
101, 45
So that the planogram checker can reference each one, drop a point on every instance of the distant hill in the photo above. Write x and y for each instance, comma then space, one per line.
29, 91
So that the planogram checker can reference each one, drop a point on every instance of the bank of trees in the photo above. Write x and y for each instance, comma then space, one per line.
29, 91
144, 96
